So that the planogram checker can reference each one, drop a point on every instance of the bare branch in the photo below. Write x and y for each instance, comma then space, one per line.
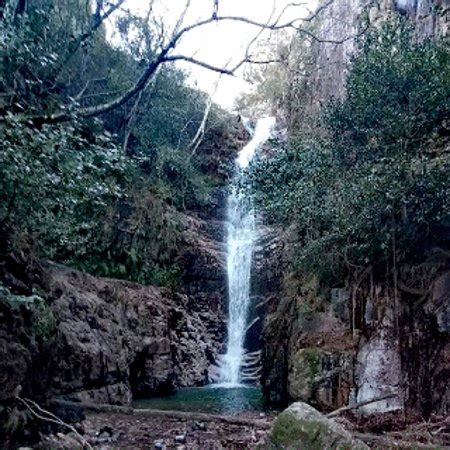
273, 26
87, 84
257, 35
338, 411
197, 62
164, 56
42, 414
288, 6
318, 11
181, 19
128, 127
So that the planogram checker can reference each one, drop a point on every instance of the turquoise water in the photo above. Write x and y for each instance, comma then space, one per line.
209, 399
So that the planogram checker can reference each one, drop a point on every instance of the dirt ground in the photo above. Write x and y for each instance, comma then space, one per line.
138, 431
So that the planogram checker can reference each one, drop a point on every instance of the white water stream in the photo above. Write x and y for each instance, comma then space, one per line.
240, 242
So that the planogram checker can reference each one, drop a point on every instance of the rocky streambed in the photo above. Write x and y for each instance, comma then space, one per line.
300, 427
140, 430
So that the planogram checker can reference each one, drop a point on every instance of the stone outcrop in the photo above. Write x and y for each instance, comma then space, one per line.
302, 427
311, 351
107, 341
342, 20
111, 340
363, 342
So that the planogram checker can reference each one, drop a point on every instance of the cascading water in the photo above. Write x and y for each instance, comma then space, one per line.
240, 242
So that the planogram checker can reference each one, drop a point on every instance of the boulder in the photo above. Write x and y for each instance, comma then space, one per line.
302, 427
109, 340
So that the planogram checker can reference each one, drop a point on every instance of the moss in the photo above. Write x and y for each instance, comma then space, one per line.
289, 432
313, 358
306, 366
44, 321
306, 311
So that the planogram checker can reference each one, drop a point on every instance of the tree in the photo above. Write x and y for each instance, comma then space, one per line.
74, 189
163, 48
369, 184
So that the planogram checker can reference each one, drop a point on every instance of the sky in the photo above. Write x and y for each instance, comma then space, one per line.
220, 43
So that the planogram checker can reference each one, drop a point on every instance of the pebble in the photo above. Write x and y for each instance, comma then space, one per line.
104, 437
199, 426
181, 438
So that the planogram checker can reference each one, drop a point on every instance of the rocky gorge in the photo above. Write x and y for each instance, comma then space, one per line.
357, 359
105, 341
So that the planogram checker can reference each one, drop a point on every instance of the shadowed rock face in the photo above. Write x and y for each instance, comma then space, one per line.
112, 339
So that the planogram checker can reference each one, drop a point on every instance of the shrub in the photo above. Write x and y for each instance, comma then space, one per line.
373, 181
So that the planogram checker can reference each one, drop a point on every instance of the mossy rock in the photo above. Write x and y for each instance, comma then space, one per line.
303, 427
306, 366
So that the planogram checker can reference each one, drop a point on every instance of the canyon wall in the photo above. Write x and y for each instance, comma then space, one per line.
370, 335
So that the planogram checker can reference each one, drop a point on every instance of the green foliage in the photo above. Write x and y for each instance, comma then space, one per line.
85, 197
181, 179
397, 98
373, 181
139, 243
57, 185
44, 321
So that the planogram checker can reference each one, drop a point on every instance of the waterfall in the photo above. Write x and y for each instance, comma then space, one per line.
240, 242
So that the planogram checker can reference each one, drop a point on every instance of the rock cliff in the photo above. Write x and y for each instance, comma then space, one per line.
344, 19
108, 340
360, 342
371, 335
